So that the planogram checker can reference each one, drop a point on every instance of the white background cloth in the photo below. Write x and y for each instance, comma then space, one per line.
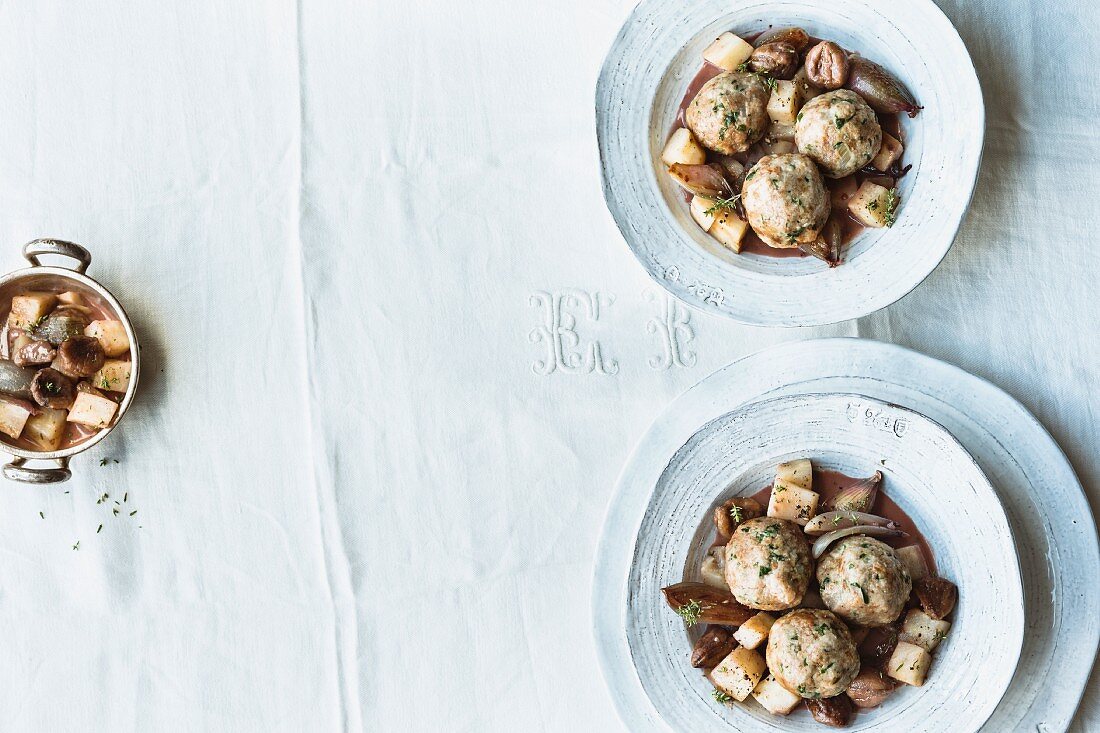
369, 489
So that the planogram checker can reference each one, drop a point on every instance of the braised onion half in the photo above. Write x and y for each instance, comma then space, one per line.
830, 521
823, 542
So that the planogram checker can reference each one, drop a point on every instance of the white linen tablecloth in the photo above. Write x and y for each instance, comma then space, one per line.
369, 478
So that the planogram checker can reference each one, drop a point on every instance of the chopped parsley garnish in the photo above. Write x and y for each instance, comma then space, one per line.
721, 697
770, 531
727, 205
764, 570
891, 207
690, 612
793, 236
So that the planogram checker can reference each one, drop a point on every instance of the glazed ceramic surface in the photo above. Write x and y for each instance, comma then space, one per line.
1038, 489
646, 73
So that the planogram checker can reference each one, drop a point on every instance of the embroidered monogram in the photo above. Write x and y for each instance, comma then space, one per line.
673, 332
565, 350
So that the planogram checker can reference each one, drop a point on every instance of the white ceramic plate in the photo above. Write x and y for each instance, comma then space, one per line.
927, 473
645, 76
1041, 495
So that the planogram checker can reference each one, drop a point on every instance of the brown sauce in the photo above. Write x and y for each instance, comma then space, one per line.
850, 226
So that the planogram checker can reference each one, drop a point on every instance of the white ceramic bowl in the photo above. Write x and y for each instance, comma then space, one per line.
643, 80
927, 472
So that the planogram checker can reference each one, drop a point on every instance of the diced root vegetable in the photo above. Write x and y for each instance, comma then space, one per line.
683, 148
872, 205
775, 698
888, 154
779, 131
92, 410
71, 298
913, 559
909, 664
806, 90
28, 309
780, 147
728, 52
729, 229
111, 336
792, 503
739, 673
113, 376
13, 417
799, 472
753, 632
712, 573
47, 428
784, 103
700, 205
921, 629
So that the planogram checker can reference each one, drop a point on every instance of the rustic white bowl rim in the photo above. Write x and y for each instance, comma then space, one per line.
645, 74
677, 529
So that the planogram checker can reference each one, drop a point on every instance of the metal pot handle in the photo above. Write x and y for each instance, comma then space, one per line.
18, 471
31, 250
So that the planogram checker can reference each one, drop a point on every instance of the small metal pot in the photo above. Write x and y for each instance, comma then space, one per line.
45, 277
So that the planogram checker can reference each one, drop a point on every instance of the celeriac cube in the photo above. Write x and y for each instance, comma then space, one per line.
729, 229
806, 89
754, 631
20, 341
775, 698
71, 298
799, 472
13, 417
92, 410
28, 309
47, 428
873, 205
779, 147
728, 52
784, 103
779, 131
909, 664
114, 375
739, 673
888, 154
111, 336
921, 629
913, 560
712, 573
700, 205
792, 502
682, 148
